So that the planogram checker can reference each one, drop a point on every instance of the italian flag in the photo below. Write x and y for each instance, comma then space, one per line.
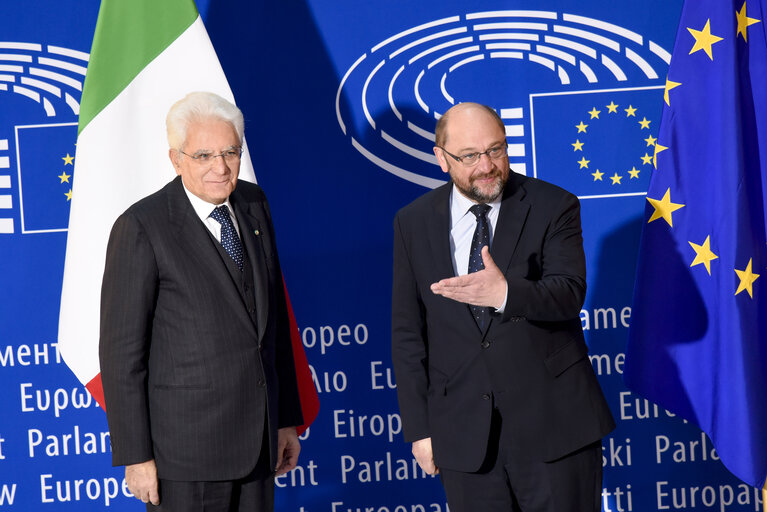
146, 55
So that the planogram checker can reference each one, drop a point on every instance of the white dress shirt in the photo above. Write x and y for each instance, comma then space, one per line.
463, 223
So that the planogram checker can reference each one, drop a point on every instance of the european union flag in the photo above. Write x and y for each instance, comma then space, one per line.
597, 143
698, 339
46, 172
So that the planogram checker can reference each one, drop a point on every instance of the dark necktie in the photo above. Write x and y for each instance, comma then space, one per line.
481, 238
229, 239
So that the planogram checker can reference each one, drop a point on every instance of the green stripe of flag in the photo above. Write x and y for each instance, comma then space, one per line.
129, 35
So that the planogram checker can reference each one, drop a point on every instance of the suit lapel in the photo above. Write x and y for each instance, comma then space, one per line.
251, 225
197, 243
438, 232
511, 220
192, 233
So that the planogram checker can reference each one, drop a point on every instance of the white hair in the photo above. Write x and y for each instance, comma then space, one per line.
200, 106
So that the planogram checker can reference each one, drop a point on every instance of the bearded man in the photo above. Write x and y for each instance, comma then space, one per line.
495, 387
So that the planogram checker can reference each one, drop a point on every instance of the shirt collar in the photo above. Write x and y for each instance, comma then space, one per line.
202, 208
460, 204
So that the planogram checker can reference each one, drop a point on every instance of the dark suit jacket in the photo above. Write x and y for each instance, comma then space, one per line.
189, 378
531, 362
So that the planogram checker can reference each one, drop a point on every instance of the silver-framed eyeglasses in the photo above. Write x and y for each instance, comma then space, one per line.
231, 155
470, 159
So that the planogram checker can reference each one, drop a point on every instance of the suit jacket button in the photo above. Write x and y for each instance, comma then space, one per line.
485, 344
261, 383
486, 396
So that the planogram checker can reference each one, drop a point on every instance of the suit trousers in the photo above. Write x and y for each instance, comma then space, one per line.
253, 493
508, 482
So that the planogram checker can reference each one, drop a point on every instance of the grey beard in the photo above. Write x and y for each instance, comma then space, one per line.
475, 194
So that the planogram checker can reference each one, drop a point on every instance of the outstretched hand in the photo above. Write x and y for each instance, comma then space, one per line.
485, 288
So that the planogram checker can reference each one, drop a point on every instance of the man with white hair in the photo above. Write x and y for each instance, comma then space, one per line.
195, 351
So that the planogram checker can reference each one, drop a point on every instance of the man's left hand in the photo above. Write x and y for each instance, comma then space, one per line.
485, 288
288, 448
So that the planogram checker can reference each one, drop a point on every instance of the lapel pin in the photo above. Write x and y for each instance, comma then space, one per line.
256, 232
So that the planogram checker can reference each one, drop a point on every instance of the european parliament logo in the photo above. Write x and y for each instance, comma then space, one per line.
40, 87
580, 97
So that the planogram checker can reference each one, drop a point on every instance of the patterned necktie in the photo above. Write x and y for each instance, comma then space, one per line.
229, 239
481, 238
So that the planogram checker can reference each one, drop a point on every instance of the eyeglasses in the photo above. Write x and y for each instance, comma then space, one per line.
470, 159
231, 155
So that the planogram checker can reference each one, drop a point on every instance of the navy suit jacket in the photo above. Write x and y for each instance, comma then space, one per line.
190, 379
531, 362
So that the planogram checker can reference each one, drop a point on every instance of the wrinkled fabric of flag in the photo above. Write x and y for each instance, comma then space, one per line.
698, 336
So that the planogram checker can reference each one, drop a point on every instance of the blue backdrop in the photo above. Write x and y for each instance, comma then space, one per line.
340, 100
